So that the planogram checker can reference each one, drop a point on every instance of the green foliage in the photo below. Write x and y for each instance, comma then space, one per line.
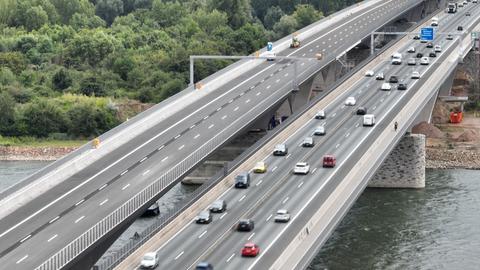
7, 113
61, 80
35, 17
88, 119
43, 117
109, 9
306, 15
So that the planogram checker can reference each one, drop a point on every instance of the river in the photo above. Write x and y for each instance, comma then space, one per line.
433, 228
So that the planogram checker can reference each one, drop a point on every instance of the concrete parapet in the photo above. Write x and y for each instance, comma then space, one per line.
404, 167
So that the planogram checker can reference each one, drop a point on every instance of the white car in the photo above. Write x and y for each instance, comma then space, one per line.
282, 215
301, 168
412, 62
320, 114
411, 49
350, 101
438, 48
386, 87
319, 131
369, 120
415, 75
270, 55
380, 76
149, 260
424, 61
369, 73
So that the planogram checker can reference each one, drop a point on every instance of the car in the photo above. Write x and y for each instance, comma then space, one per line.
419, 55
467, 13
423, 41
329, 161
416, 37
424, 61
412, 62
149, 261
429, 45
396, 61
386, 87
320, 115
308, 142
393, 79
203, 218
270, 55
280, 150
415, 75
460, 4
368, 120
380, 76
319, 131
250, 250
362, 110
218, 206
411, 49
242, 180
204, 266
402, 86
465, 3
369, 73
474, 1
260, 167
301, 168
460, 28
449, 37
282, 215
438, 48
350, 101
432, 54
245, 225
152, 210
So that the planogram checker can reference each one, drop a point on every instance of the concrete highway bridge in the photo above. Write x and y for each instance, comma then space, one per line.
67, 215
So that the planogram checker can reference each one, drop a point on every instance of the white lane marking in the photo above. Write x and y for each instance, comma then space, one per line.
219, 109
25, 238
336, 146
269, 217
80, 218
268, 87
348, 134
165, 158
223, 117
286, 74
300, 185
288, 156
179, 255
374, 108
181, 147
243, 93
304, 54
243, 197
104, 202
247, 101
262, 80
230, 101
333, 115
252, 87
143, 159
53, 220
22, 259
161, 147
286, 199
223, 215
202, 234
314, 170
124, 172
102, 187
277, 81
258, 94
235, 109
51, 238
302, 64
196, 136
250, 237
231, 257
81, 201
274, 168
205, 118
211, 126
259, 182
145, 172
358, 124
125, 187
176, 137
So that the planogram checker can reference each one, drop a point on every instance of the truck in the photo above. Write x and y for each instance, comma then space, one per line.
452, 7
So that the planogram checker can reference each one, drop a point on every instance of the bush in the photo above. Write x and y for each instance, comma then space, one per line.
43, 117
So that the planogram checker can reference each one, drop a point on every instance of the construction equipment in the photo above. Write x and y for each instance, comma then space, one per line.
295, 42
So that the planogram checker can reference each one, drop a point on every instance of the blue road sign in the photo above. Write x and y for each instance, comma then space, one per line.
426, 33
269, 46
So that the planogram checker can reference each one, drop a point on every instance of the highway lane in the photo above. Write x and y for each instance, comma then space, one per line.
238, 243
123, 183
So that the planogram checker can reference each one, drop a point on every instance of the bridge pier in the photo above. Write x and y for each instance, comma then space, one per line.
404, 167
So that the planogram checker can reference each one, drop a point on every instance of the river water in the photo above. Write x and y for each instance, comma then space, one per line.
433, 228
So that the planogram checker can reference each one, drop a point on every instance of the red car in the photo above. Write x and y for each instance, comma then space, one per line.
329, 161
250, 250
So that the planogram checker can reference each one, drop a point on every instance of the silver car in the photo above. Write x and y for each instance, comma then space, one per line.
282, 215
319, 131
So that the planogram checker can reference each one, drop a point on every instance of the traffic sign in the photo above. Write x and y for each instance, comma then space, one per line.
426, 33
475, 35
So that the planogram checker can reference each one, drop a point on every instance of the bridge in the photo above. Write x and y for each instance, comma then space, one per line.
66, 215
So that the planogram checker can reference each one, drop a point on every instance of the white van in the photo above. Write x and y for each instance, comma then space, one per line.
369, 120
397, 58
434, 21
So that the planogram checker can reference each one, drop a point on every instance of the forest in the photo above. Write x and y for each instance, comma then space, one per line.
66, 65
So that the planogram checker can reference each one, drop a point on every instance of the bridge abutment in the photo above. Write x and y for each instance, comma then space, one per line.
404, 167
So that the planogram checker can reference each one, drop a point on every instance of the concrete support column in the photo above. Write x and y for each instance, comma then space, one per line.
404, 167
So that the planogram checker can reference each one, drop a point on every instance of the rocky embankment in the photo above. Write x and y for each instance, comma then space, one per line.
452, 159
33, 153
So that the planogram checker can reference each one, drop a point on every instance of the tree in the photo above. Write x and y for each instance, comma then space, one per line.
91, 87
285, 26
122, 66
7, 11
272, 16
109, 9
61, 80
210, 21
81, 21
7, 113
15, 61
91, 46
239, 11
167, 13
67, 8
44, 117
34, 18
306, 15
89, 120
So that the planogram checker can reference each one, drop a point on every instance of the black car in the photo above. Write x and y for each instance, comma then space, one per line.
218, 206
242, 180
362, 110
467, 14
245, 225
152, 210
393, 79
416, 37
460, 28
432, 54
429, 45
402, 86
204, 218
419, 55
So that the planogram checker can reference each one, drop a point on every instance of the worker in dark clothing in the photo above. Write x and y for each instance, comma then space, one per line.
395, 125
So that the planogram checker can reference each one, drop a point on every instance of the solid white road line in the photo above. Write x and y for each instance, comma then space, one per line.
22, 259
104, 202
179, 255
51, 238
125, 187
25, 238
231, 257
202, 234
80, 218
